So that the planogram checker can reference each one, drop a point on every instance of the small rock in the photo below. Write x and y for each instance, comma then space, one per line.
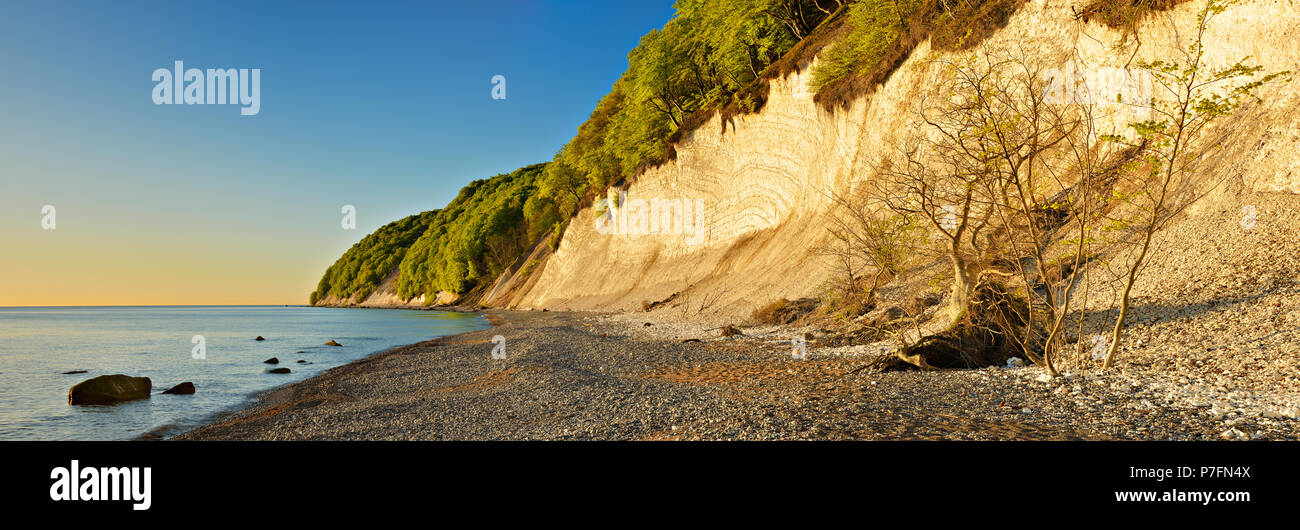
1233, 434
1219, 410
301, 361
259, 337
332, 343
272, 360
278, 371
70, 372
1015, 362
183, 388
1044, 378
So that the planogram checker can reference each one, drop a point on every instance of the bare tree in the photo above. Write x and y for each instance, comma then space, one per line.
1010, 181
1190, 96
866, 239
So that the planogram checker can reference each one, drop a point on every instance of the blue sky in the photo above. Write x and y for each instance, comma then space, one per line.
383, 105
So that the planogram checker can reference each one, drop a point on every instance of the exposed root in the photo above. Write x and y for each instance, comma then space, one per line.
993, 331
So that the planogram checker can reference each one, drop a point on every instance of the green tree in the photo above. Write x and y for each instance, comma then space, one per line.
1190, 96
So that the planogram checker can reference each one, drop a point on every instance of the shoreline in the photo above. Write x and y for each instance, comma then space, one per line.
593, 376
171, 431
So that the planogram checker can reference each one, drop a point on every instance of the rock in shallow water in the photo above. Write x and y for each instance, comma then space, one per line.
273, 360
332, 343
107, 389
278, 371
183, 388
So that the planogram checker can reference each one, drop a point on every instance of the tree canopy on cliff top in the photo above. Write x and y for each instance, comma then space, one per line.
700, 60
365, 265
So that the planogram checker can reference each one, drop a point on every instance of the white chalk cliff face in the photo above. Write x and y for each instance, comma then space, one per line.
765, 185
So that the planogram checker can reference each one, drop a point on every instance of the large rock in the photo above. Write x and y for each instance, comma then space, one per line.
183, 388
108, 389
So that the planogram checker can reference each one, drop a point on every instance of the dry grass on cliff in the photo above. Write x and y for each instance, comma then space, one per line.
1122, 14
965, 26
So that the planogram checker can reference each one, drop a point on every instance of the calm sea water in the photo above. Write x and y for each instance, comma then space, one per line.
38, 344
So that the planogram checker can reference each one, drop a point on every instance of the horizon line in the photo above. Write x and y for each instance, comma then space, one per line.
149, 305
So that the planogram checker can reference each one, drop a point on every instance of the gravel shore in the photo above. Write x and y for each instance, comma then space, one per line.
582, 376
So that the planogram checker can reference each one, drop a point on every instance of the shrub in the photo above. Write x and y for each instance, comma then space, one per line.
768, 313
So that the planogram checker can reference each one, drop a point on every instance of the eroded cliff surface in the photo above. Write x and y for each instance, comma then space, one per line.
766, 184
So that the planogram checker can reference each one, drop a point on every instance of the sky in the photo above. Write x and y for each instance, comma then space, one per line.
384, 106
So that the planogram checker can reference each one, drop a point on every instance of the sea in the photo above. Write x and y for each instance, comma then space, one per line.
214, 347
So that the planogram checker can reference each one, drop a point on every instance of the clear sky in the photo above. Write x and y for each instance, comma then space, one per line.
383, 106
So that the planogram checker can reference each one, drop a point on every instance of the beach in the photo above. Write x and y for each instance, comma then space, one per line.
589, 376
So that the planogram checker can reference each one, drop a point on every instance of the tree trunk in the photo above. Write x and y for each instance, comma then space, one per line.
1113, 347
960, 295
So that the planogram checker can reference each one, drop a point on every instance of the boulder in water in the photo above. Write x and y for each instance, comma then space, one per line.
108, 389
278, 371
272, 360
183, 388
259, 337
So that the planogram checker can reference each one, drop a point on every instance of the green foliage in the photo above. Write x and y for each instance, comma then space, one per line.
476, 237
365, 265
710, 55
703, 59
1190, 95
874, 26
879, 35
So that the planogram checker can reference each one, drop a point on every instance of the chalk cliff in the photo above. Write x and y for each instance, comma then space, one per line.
766, 180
